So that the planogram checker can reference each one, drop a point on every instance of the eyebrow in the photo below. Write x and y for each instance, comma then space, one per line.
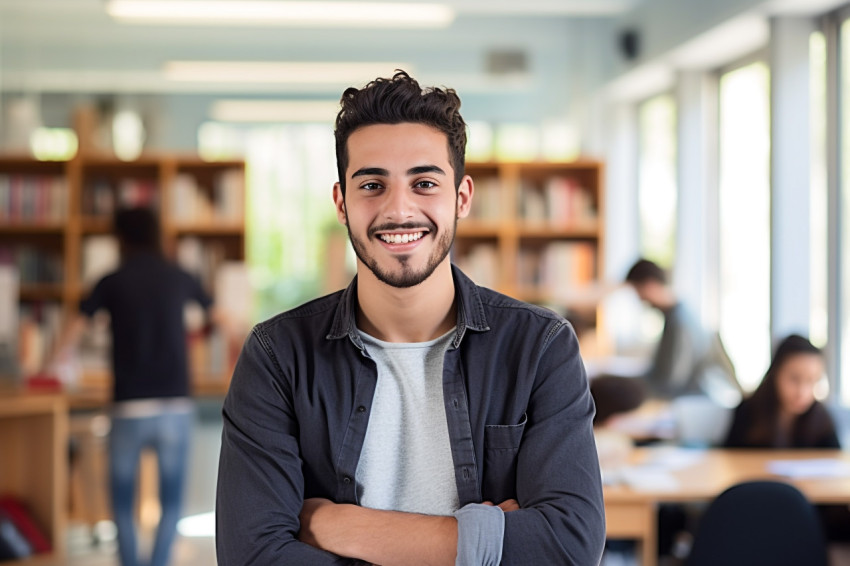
381, 172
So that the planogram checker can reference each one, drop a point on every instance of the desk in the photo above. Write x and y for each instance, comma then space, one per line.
632, 513
34, 454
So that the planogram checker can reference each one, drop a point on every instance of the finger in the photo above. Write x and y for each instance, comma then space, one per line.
509, 505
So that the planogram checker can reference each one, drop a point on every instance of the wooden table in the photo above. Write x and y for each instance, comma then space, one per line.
631, 512
33, 459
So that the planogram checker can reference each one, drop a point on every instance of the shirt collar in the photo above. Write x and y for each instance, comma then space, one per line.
470, 311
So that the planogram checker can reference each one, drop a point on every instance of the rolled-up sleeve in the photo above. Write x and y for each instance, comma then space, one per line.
480, 530
260, 488
561, 519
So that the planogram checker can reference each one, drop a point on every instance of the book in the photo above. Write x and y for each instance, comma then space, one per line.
13, 545
20, 516
101, 255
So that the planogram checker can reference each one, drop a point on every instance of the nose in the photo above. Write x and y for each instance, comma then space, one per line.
398, 205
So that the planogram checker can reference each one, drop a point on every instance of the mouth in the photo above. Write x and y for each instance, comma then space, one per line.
401, 237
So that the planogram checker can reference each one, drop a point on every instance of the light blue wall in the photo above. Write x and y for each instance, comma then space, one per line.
562, 59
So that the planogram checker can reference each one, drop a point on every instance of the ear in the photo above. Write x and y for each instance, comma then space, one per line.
339, 202
464, 196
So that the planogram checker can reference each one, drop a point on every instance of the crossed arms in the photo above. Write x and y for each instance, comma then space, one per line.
268, 505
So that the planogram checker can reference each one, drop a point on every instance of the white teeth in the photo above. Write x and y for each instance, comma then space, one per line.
400, 238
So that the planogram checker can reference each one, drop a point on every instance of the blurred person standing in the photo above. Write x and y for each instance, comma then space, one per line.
151, 404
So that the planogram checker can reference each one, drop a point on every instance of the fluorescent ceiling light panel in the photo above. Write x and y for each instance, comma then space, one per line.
282, 13
279, 72
274, 110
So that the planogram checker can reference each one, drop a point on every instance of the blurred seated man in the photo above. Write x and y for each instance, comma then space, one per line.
689, 359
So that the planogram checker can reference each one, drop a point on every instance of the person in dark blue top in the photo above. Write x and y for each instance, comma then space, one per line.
145, 298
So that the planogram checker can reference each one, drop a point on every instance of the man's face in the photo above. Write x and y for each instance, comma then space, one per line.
401, 206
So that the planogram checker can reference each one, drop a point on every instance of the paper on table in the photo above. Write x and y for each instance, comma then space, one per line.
815, 468
649, 479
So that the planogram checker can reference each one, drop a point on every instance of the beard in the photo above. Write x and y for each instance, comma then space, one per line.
405, 276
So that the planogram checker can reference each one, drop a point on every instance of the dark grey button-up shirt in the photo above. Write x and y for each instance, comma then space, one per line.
518, 409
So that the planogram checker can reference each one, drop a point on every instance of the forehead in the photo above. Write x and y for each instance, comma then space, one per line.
803, 363
393, 146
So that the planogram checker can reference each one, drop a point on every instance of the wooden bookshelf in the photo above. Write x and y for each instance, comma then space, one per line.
51, 210
34, 452
536, 232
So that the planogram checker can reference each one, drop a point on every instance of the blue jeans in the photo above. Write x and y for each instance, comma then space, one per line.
167, 434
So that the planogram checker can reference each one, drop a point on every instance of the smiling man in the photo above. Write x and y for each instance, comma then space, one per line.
413, 418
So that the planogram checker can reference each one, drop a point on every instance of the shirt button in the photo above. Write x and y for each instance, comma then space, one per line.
466, 473
361, 409
346, 480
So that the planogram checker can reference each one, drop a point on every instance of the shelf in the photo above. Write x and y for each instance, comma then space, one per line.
479, 228
41, 291
96, 225
554, 260
547, 231
34, 436
208, 388
17, 227
208, 229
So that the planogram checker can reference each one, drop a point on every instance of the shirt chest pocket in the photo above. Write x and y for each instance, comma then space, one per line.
501, 447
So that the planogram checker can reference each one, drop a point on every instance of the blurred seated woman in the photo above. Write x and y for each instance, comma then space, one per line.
783, 411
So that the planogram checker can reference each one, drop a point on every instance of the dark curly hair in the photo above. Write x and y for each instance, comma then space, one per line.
395, 101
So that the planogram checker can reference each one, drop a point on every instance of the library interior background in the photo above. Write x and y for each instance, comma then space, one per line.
712, 138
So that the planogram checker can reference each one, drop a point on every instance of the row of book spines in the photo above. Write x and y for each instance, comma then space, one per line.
101, 255
33, 198
102, 197
34, 265
223, 201
209, 356
559, 264
559, 201
38, 328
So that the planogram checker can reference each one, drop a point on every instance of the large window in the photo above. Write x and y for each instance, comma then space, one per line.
657, 179
844, 225
818, 319
295, 247
745, 219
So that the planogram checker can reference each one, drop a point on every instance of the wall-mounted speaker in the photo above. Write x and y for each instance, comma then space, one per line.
629, 43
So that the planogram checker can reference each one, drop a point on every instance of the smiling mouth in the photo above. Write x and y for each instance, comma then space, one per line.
401, 238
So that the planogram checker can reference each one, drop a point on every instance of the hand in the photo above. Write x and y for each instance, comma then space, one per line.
507, 505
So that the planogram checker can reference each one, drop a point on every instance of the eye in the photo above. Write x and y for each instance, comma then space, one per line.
371, 186
424, 184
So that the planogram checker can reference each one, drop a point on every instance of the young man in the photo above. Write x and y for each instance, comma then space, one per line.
413, 418
688, 359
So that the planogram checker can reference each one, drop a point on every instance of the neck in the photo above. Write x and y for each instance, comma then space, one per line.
665, 300
786, 421
413, 314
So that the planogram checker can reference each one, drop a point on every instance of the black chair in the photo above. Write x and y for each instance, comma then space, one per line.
759, 523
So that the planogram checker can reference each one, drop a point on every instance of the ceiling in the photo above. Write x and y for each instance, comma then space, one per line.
74, 46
